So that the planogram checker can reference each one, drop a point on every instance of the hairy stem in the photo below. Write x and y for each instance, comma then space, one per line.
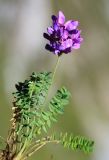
53, 76
37, 145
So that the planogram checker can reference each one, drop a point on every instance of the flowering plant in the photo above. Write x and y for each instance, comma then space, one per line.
33, 112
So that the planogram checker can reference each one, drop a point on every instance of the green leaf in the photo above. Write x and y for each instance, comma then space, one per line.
56, 107
74, 142
77, 142
29, 97
44, 128
49, 123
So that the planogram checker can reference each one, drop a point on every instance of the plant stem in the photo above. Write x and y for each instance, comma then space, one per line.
36, 147
29, 154
55, 69
52, 80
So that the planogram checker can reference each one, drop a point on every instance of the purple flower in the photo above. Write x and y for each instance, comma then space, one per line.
63, 36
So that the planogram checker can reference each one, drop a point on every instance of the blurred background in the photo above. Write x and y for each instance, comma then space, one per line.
84, 72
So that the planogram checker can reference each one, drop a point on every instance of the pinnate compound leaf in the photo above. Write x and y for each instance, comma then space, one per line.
55, 107
29, 97
75, 142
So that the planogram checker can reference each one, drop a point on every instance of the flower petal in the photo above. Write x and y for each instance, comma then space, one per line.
49, 48
81, 39
70, 25
55, 26
68, 50
65, 34
45, 35
56, 52
76, 46
76, 34
50, 30
54, 18
66, 44
61, 18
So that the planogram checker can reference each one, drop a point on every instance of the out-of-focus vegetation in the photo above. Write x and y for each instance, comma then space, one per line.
84, 72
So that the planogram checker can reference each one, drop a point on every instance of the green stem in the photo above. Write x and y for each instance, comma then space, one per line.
28, 155
55, 69
37, 146
52, 80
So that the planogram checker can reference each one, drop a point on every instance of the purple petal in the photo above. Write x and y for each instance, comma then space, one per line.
61, 18
66, 44
65, 34
71, 25
75, 31
48, 47
46, 36
54, 18
76, 46
62, 47
56, 52
50, 30
68, 50
60, 32
53, 44
76, 35
81, 39
55, 26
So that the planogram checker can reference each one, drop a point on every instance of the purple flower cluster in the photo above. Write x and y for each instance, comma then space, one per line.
63, 36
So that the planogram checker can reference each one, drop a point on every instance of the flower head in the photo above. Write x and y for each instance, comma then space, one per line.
63, 36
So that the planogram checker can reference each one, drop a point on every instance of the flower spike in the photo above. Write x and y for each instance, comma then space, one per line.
63, 36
